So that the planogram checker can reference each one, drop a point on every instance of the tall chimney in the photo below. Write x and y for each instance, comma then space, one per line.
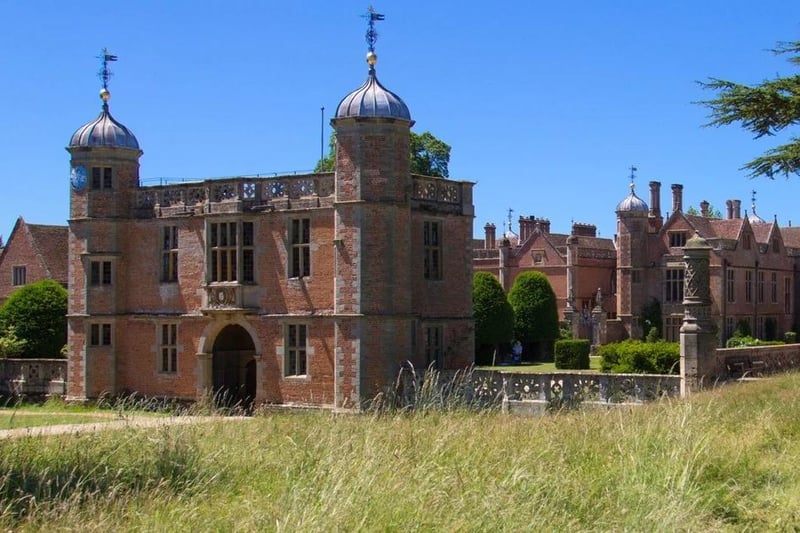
524, 229
704, 208
677, 197
489, 239
655, 199
737, 209
729, 205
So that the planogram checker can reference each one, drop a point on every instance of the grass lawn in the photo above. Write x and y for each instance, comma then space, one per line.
529, 367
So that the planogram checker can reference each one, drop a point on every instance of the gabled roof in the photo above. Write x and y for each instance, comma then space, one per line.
791, 236
50, 243
763, 232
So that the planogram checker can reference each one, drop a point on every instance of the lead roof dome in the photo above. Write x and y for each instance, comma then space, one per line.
372, 99
104, 131
632, 204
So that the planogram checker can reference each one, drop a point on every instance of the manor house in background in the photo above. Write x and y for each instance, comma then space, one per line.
32, 253
754, 268
310, 289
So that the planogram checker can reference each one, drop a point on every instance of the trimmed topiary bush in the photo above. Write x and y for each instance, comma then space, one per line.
572, 354
790, 337
535, 313
494, 317
38, 314
637, 357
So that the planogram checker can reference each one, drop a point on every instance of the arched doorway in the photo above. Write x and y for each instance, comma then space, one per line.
233, 367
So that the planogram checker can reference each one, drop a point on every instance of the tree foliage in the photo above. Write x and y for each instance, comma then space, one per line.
328, 163
494, 317
535, 309
429, 156
38, 315
712, 212
764, 109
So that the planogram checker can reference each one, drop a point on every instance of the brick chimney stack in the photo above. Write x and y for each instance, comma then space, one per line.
655, 199
490, 236
677, 197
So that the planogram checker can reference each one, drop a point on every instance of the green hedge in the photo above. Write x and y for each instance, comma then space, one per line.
637, 357
572, 354
736, 342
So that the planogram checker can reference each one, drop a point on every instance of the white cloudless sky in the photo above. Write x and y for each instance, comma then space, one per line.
545, 104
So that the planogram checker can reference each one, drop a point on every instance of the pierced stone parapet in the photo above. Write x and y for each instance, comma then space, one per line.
436, 190
231, 194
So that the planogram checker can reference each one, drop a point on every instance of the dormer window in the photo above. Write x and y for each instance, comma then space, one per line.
746, 243
776, 246
677, 239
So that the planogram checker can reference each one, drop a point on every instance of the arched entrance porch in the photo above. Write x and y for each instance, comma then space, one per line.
233, 367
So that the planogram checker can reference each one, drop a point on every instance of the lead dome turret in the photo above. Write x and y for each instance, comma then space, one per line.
372, 99
104, 131
632, 204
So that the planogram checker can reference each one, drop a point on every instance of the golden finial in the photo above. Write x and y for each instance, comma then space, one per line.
372, 58
104, 95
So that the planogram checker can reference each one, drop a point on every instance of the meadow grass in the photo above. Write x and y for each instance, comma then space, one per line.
724, 460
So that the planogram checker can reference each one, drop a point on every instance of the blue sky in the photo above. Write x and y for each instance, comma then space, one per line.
545, 104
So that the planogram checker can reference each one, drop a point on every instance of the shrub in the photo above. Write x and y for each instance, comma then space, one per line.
38, 313
742, 329
736, 342
494, 317
790, 337
637, 357
535, 310
10, 344
572, 354
652, 335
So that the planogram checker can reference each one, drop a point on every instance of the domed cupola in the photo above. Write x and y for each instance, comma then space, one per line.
372, 99
753, 217
104, 131
632, 204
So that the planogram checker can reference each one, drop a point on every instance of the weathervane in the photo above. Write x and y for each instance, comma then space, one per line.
753, 201
633, 170
509, 218
105, 73
372, 35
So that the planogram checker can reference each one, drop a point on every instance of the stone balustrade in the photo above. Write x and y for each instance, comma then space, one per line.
757, 360
33, 377
524, 392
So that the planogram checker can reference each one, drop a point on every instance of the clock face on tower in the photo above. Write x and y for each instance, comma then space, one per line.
78, 178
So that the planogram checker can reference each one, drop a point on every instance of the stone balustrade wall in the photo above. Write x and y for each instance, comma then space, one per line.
33, 377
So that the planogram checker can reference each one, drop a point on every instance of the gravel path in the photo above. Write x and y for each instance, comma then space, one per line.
127, 422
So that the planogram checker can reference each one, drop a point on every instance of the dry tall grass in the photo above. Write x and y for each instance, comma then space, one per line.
724, 460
